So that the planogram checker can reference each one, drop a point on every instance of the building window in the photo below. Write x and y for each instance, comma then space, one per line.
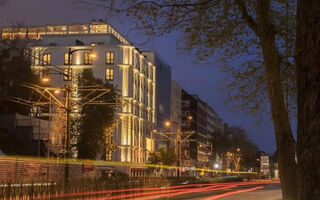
87, 59
110, 58
67, 74
46, 59
109, 74
66, 59
96, 43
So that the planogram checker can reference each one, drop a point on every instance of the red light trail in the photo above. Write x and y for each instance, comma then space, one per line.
158, 192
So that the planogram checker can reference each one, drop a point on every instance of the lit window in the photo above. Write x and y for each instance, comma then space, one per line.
26, 53
66, 59
109, 74
110, 58
67, 74
46, 59
87, 59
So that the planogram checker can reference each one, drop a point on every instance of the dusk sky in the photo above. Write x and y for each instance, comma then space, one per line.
195, 77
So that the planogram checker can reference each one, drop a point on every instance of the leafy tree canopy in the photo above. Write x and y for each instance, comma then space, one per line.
164, 156
95, 120
14, 59
221, 27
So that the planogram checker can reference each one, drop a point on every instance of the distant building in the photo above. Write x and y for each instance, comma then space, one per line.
211, 114
198, 151
28, 135
189, 148
203, 148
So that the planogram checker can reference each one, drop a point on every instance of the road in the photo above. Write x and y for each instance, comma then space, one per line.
265, 190
269, 192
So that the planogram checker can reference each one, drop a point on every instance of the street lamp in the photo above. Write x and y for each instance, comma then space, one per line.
216, 166
167, 123
57, 92
45, 79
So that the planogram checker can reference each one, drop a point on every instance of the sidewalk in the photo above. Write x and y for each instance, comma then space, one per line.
269, 192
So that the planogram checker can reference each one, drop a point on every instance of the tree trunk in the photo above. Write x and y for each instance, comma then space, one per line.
283, 132
308, 79
284, 138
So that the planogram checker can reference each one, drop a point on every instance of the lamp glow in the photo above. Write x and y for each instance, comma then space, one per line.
45, 79
93, 55
167, 123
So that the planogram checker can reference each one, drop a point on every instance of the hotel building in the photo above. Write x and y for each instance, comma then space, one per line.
117, 61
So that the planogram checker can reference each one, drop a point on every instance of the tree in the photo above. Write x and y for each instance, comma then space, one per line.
244, 152
164, 156
14, 59
308, 76
237, 28
95, 121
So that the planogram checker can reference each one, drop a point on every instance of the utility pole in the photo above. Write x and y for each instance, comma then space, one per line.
68, 111
48, 96
177, 140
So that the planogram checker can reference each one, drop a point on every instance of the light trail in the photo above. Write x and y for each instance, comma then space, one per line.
160, 193
173, 191
121, 191
111, 163
188, 191
157, 191
231, 193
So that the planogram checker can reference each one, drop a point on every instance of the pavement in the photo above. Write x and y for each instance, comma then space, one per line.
269, 192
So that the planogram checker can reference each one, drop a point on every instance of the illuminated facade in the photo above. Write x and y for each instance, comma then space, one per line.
116, 61
163, 88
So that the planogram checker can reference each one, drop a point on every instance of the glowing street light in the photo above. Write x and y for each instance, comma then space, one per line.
45, 79
216, 166
57, 92
167, 123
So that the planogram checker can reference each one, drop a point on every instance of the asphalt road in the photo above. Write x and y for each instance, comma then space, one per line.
263, 190
268, 192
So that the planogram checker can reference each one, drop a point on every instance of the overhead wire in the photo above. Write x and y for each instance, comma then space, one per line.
45, 65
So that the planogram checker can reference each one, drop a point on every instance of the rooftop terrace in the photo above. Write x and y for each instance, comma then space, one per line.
36, 32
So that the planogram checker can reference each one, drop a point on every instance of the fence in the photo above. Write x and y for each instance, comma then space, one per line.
26, 180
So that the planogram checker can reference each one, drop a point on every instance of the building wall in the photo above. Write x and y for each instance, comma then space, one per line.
189, 108
163, 88
176, 92
203, 147
134, 77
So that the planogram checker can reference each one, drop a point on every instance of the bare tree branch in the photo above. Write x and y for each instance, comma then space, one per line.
246, 17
